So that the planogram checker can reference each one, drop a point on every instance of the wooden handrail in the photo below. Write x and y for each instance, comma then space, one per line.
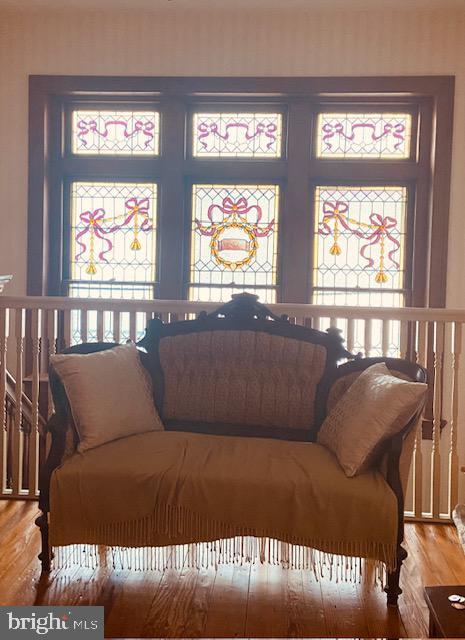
187, 307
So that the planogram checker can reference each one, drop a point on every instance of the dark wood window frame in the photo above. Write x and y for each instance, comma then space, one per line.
427, 171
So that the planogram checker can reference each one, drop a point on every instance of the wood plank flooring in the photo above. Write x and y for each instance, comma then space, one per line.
249, 601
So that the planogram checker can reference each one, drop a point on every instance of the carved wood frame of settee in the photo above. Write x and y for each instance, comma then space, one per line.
243, 313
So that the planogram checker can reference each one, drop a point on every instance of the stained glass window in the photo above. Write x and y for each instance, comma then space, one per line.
236, 135
115, 132
364, 135
234, 241
359, 245
113, 239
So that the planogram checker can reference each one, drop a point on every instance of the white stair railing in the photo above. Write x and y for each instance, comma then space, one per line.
32, 328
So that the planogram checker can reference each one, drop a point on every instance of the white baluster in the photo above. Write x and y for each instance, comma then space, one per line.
66, 328
51, 324
100, 325
403, 339
132, 325
453, 455
83, 330
367, 338
34, 434
386, 325
116, 326
422, 356
17, 435
350, 335
437, 414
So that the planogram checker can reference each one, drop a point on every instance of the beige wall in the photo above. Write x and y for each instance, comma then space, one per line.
174, 42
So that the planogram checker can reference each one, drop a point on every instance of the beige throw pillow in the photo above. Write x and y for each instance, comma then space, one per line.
376, 407
110, 394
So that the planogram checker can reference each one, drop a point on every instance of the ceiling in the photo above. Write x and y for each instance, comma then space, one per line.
129, 5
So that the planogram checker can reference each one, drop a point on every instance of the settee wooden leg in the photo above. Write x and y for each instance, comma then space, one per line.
45, 555
392, 588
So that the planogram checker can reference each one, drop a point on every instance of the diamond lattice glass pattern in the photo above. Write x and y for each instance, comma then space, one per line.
113, 232
236, 135
364, 135
234, 240
223, 294
116, 132
360, 238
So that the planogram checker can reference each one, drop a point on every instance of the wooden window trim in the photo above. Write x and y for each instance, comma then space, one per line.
433, 94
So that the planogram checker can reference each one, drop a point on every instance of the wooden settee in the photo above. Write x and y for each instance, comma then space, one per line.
242, 377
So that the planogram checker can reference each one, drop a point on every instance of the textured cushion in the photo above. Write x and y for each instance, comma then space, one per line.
376, 407
241, 377
109, 393
342, 384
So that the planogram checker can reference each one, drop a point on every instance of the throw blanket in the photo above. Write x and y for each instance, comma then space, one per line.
257, 498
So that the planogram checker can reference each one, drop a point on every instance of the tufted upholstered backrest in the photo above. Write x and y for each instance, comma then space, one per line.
240, 370
241, 377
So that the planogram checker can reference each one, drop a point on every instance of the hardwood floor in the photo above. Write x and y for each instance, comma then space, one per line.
234, 601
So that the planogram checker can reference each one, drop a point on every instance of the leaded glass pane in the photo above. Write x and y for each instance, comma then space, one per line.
237, 135
364, 135
110, 291
233, 240
107, 132
360, 235
223, 294
374, 298
113, 232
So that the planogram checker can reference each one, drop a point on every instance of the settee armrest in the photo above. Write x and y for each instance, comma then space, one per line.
395, 454
406, 442
63, 443
60, 426
395, 466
